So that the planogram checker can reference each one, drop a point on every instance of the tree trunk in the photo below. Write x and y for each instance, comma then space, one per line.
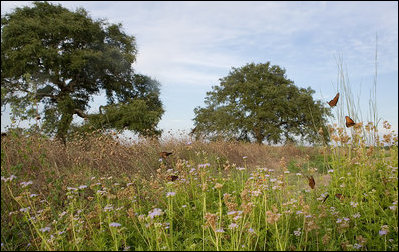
63, 127
258, 135
67, 109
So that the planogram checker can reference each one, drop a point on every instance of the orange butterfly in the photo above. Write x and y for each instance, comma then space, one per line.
165, 154
334, 101
312, 183
172, 177
349, 122
339, 196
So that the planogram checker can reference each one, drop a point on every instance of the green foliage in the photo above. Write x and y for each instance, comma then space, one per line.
135, 116
59, 58
258, 102
140, 115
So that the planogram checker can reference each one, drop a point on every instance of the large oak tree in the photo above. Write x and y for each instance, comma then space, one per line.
258, 102
60, 59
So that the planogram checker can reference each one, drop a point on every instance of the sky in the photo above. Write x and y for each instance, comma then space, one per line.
189, 46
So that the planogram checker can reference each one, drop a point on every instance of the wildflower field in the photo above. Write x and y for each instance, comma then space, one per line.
101, 192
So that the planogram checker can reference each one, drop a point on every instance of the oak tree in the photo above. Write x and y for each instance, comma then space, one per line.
54, 60
258, 102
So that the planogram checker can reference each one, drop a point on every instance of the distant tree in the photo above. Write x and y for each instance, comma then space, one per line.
258, 102
60, 59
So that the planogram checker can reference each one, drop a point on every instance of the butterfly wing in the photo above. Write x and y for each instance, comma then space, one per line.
172, 177
349, 122
312, 183
339, 196
164, 154
334, 101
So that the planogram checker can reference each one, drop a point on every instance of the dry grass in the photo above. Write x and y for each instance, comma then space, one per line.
108, 155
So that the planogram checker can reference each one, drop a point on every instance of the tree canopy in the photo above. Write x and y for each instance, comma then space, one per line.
258, 102
60, 59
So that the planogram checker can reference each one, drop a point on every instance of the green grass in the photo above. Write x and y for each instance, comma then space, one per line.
215, 204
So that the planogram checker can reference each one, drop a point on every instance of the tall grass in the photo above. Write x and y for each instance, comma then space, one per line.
99, 194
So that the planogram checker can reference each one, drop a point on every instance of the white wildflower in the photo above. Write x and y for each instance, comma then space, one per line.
115, 224
170, 194
45, 229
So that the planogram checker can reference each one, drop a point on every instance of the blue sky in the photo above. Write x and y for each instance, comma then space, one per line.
188, 46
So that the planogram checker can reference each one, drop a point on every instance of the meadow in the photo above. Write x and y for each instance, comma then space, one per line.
101, 192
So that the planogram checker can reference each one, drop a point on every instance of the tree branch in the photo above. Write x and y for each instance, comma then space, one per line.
80, 113
46, 95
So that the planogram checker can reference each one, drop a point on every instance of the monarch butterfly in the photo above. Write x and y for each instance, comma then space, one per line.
349, 122
165, 154
312, 183
339, 196
334, 101
172, 177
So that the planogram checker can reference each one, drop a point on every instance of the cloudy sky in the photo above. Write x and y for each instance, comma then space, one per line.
188, 46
